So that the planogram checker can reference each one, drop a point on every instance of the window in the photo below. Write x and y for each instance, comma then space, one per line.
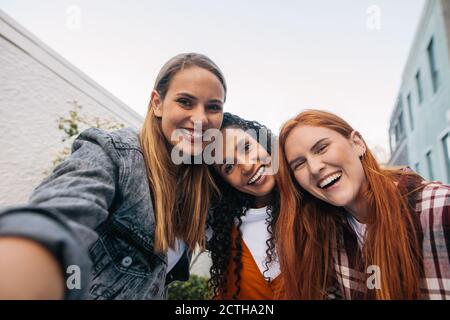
392, 140
430, 166
399, 131
433, 67
419, 86
446, 145
411, 119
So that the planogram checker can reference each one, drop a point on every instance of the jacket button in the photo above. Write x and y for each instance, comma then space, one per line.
127, 261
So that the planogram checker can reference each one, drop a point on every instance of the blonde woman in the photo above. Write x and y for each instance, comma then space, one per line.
119, 212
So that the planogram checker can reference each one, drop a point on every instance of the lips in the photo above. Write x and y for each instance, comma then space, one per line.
257, 176
329, 180
192, 135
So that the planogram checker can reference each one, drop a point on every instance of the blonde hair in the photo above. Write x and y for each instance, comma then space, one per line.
181, 194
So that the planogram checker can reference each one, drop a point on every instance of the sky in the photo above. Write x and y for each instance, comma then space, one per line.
278, 57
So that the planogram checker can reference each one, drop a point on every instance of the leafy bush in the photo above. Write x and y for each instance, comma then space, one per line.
195, 288
72, 124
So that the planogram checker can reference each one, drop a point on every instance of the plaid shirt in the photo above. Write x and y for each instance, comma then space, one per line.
432, 207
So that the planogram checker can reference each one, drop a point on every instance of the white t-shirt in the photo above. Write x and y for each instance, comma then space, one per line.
358, 227
255, 234
174, 255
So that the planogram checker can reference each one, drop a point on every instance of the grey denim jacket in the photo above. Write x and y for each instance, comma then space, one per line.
95, 212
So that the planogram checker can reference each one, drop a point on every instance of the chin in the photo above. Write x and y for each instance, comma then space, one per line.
264, 193
184, 154
195, 152
191, 148
339, 203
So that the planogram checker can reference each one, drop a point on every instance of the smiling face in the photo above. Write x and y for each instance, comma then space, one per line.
247, 165
327, 165
194, 98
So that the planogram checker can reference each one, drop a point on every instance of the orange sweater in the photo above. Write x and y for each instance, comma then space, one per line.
253, 284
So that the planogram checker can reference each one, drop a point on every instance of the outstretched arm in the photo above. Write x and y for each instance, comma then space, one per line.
28, 271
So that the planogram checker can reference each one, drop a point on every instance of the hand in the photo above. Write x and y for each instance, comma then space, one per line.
28, 271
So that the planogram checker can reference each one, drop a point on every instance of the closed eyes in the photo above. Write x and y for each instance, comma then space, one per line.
322, 148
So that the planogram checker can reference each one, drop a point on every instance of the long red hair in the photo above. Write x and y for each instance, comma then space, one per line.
308, 229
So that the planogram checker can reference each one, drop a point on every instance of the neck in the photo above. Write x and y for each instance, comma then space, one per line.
359, 207
261, 202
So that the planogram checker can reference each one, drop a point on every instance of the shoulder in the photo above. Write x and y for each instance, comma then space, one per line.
122, 138
126, 138
110, 142
105, 148
434, 196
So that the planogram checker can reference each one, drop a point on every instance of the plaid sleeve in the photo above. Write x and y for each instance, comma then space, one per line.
434, 210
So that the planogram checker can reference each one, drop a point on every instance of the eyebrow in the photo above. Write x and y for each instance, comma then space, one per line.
240, 143
291, 163
190, 96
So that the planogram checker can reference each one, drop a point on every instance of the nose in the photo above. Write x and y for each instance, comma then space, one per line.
315, 165
246, 168
199, 116
245, 164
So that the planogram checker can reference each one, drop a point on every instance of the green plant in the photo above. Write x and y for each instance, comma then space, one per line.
196, 288
72, 124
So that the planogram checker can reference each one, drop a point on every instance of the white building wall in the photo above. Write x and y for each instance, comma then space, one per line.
36, 86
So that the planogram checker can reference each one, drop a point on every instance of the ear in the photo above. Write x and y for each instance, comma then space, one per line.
358, 143
156, 103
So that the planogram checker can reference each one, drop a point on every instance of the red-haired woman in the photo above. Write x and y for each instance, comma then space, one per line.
348, 224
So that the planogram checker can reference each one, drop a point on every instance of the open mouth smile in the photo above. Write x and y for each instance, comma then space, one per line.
259, 174
329, 180
192, 135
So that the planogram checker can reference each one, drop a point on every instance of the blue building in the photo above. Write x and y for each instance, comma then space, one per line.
420, 123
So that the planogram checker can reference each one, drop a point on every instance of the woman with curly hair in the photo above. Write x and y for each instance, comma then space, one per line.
242, 219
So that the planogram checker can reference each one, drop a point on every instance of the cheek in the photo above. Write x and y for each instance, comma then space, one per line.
356, 174
360, 175
171, 119
165, 126
302, 180
233, 181
272, 182
263, 154
215, 121
167, 116
169, 123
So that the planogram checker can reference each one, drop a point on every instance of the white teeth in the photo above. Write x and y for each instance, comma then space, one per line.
257, 175
194, 134
330, 179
